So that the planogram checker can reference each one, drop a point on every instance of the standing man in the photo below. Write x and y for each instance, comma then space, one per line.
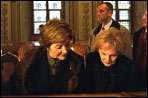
104, 14
140, 53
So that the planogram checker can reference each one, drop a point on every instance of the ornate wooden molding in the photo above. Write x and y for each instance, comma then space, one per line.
5, 22
85, 19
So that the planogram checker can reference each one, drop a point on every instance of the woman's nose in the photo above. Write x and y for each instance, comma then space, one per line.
108, 58
64, 49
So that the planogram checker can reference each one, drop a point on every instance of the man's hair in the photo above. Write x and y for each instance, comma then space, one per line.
41, 25
109, 6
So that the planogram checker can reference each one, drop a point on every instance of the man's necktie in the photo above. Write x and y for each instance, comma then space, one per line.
103, 28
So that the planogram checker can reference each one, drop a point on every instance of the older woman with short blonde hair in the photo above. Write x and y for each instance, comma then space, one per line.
111, 37
107, 68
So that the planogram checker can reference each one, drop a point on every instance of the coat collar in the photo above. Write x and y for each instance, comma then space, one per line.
114, 24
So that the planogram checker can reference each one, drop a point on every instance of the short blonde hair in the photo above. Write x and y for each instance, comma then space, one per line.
111, 37
56, 31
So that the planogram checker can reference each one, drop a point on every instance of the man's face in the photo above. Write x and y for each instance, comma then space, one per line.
144, 20
103, 14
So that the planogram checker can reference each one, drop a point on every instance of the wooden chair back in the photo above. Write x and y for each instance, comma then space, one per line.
9, 62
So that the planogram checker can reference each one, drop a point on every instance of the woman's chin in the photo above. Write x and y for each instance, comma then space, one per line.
107, 65
62, 57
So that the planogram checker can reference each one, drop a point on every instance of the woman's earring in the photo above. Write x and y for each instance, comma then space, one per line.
70, 68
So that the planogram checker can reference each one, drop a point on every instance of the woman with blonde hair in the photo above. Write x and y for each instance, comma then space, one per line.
107, 68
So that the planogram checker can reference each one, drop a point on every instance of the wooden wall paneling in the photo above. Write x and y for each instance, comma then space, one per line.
5, 22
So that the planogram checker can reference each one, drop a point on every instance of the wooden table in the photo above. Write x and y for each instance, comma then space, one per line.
121, 94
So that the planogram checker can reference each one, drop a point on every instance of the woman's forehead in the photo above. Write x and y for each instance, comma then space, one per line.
61, 43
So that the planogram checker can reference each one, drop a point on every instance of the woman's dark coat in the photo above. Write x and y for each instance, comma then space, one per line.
37, 79
117, 78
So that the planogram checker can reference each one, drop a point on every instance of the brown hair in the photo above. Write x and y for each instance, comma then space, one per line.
56, 31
